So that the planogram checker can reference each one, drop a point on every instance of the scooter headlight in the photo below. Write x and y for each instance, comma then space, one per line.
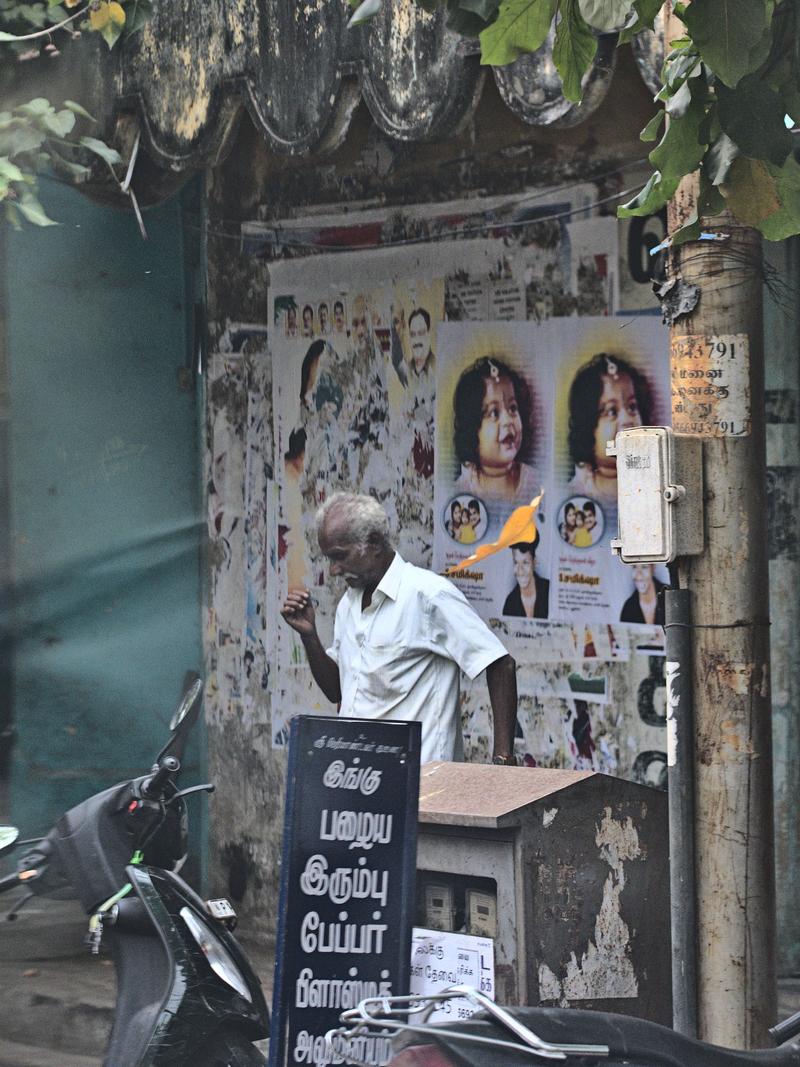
219, 959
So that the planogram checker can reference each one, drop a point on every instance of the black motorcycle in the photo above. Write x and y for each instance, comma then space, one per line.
186, 994
523, 1037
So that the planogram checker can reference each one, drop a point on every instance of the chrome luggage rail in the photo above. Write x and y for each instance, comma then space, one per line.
387, 1016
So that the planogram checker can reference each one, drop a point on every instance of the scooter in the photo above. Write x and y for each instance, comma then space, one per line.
186, 994
523, 1037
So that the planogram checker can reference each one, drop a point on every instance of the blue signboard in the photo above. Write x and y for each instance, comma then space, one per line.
347, 881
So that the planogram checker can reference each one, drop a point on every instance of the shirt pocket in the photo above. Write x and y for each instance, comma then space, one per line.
386, 675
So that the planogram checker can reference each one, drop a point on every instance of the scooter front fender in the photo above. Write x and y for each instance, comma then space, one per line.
170, 1002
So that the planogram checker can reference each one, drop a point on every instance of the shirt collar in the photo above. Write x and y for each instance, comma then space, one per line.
389, 584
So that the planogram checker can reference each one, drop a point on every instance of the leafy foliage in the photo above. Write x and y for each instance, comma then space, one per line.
37, 136
731, 89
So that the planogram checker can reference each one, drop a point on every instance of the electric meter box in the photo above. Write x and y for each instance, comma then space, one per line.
566, 871
659, 494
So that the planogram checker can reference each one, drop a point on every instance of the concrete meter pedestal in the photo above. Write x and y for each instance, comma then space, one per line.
567, 872
659, 494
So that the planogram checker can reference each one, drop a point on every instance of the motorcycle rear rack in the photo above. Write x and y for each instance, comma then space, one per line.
386, 1016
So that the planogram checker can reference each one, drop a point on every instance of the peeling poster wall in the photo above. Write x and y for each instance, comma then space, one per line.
257, 674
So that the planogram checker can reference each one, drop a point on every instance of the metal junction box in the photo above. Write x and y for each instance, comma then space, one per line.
567, 871
659, 494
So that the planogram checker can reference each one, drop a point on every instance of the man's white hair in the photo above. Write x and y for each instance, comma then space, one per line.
363, 517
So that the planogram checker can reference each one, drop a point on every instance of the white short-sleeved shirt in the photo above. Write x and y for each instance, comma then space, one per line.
400, 659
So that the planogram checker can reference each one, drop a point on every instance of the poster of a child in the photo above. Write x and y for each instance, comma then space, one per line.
493, 436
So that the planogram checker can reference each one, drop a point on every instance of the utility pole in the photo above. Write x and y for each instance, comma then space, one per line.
717, 369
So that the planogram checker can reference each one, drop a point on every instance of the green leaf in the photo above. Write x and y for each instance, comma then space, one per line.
10, 171
650, 199
729, 35
786, 221
650, 132
61, 123
751, 191
33, 211
719, 159
752, 116
521, 26
677, 68
690, 230
35, 108
78, 171
365, 11
138, 13
18, 140
645, 12
12, 215
574, 48
681, 148
112, 31
607, 16
100, 148
34, 14
678, 104
79, 110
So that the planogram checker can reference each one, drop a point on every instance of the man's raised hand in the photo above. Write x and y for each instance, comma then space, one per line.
298, 610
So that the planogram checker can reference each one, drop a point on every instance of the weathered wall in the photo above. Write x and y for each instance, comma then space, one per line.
494, 155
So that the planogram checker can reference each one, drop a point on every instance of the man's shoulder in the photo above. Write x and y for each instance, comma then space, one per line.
425, 584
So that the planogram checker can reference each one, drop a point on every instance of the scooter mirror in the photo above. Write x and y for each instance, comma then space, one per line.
8, 835
187, 702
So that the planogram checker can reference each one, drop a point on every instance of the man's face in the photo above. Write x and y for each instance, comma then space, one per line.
338, 317
474, 515
589, 520
642, 577
420, 337
323, 318
360, 326
357, 563
523, 565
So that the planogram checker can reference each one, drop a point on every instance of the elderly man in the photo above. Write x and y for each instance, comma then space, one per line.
401, 636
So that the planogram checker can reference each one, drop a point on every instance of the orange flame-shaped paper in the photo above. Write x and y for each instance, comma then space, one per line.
520, 526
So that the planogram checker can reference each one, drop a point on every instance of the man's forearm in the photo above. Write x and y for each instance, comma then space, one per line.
501, 679
324, 669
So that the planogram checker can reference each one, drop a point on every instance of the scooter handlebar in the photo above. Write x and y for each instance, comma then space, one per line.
154, 786
11, 881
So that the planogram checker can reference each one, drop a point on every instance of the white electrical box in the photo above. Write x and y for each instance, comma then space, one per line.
659, 494
439, 909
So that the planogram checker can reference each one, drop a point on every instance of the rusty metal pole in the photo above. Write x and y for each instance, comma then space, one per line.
717, 373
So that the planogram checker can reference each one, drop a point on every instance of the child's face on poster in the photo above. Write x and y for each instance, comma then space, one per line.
618, 409
500, 433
